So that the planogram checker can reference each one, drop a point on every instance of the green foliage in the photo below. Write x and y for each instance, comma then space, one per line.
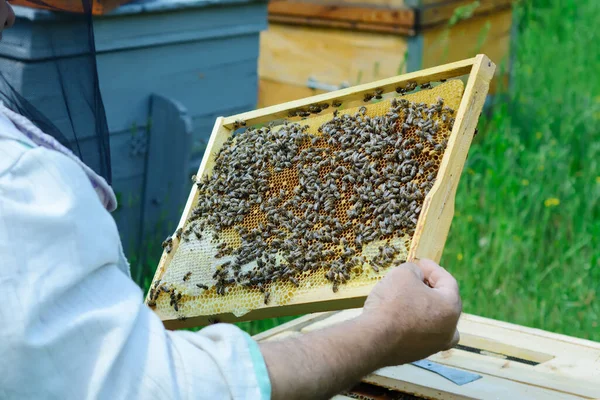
525, 241
463, 12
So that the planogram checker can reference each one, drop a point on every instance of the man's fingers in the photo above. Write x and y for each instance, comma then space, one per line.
455, 339
414, 269
436, 276
401, 270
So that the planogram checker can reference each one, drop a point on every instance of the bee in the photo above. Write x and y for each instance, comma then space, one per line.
335, 287
167, 242
178, 233
362, 110
239, 123
151, 303
368, 97
426, 86
187, 276
181, 318
267, 297
443, 80
201, 286
194, 178
335, 113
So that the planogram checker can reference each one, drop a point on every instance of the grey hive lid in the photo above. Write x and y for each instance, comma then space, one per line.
157, 22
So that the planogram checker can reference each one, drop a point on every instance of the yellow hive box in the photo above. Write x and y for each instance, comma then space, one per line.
256, 240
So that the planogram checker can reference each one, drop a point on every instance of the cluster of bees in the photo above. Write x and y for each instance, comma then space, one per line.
303, 202
157, 289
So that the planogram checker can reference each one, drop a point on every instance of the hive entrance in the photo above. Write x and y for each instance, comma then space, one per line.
331, 200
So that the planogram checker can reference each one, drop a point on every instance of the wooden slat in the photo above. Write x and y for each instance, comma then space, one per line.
447, 71
402, 30
410, 379
438, 207
294, 325
345, 12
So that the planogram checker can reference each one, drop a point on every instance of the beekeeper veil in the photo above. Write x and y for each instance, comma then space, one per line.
48, 74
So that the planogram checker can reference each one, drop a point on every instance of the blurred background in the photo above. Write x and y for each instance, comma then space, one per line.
525, 241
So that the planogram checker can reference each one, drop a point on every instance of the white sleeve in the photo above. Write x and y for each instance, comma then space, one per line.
73, 324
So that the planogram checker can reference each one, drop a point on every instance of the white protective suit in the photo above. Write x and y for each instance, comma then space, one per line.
72, 323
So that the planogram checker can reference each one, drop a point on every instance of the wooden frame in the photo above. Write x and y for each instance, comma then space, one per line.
514, 361
438, 207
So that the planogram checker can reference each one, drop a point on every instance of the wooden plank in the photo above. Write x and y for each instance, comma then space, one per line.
585, 385
438, 207
403, 30
322, 298
410, 379
288, 54
440, 13
294, 325
99, 7
357, 92
364, 13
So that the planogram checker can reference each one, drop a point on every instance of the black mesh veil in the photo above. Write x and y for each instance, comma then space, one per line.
77, 118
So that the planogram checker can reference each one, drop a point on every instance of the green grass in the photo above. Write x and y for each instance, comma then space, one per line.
525, 241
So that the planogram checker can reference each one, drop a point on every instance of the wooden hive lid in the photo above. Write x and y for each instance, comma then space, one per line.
404, 17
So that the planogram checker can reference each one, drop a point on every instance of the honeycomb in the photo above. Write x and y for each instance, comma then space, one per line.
329, 200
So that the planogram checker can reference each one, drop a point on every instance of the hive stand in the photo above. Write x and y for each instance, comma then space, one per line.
438, 206
515, 362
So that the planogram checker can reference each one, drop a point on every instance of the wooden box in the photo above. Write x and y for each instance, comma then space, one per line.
514, 362
147, 48
193, 302
315, 47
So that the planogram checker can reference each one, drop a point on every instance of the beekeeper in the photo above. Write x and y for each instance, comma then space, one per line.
74, 326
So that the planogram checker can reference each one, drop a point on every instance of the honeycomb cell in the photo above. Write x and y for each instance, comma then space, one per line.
325, 201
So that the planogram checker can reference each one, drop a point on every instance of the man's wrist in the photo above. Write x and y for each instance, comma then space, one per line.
386, 334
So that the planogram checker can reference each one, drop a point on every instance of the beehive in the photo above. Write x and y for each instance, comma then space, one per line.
359, 41
315, 206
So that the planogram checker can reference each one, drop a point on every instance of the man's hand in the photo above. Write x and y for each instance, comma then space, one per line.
416, 306
409, 315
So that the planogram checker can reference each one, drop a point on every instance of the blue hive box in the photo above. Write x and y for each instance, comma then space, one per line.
167, 68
